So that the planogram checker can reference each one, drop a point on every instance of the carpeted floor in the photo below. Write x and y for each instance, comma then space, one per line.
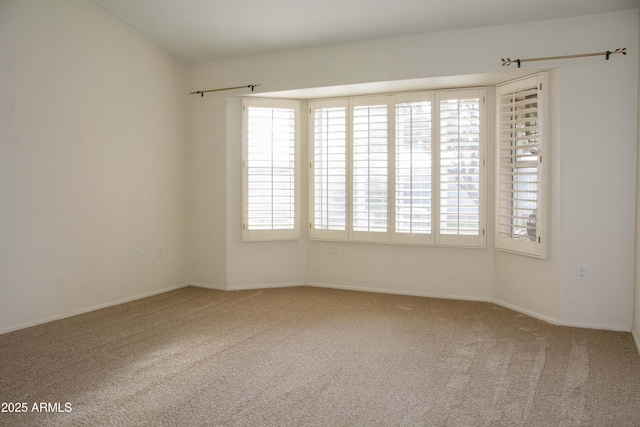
320, 357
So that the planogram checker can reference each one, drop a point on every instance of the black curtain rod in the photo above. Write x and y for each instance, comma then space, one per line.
607, 54
202, 92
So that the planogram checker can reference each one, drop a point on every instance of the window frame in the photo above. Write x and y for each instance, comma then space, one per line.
358, 235
442, 239
536, 248
392, 236
413, 238
272, 234
322, 233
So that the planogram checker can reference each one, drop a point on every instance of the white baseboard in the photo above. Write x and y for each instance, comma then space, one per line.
266, 286
602, 326
245, 287
398, 292
548, 319
525, 311
208, 286
544, 318
88, 309
513, 307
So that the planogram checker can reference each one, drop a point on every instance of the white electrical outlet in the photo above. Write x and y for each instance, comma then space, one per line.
136, 255
582, 273
333, 248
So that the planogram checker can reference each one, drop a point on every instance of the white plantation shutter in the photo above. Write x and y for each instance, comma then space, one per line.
270, 170
369, 154
520, 198
328, 169
460, 168
405, 168
413, 169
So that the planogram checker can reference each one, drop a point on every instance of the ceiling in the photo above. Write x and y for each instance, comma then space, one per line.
199, 31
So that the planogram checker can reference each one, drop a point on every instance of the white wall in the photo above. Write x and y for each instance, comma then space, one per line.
596, 100
636, 305
598, 189
207, 191
256, 264
92, 162
218, 259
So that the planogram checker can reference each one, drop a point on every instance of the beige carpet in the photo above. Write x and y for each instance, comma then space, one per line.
321, 357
